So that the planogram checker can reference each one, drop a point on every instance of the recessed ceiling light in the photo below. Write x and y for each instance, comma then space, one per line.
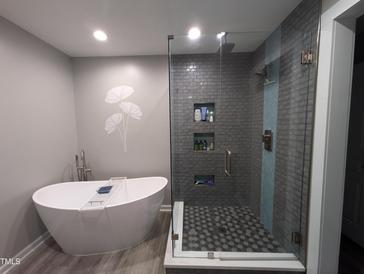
100, 35
220, 35
194, 33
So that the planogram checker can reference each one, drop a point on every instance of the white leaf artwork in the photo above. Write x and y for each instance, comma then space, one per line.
131, 109
112, 122
119, 121
117, 94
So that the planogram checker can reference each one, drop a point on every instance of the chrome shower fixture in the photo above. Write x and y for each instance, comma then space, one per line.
224, 46
82, 170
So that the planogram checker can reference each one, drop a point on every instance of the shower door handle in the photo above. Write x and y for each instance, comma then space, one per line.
227, 162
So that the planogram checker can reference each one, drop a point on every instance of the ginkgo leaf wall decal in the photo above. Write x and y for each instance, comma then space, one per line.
117, 94
131, 109
112, 122
119, 121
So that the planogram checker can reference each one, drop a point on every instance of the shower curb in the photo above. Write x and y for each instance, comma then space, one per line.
180, 265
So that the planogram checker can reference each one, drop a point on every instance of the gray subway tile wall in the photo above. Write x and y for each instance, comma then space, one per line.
231, 127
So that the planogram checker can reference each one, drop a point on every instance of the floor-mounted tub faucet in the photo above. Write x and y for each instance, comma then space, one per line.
82, 170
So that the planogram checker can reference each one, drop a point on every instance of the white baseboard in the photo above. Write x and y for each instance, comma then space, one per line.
165, 208
22, 254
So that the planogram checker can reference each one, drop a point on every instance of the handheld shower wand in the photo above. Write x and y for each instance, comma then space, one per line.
83, 170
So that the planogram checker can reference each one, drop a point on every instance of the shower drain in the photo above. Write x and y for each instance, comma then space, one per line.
222, 229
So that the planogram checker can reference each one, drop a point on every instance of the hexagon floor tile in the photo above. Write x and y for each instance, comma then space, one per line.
229, 228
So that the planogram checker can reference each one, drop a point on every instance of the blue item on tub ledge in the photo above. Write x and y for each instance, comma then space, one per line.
104, 189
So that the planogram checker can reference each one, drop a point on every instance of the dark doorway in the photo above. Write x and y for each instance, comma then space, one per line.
352, 239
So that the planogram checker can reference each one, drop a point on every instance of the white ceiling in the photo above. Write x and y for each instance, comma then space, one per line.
140, 27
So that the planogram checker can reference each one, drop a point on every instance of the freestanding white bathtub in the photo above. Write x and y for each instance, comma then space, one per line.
121, 223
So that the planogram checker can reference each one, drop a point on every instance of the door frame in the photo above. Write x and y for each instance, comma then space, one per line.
332, 111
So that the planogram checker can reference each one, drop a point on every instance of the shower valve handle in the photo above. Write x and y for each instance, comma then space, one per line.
227, 163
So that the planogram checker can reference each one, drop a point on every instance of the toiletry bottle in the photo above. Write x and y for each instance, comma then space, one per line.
204, 113
201, 145
196, 145
197, 115
211, 116
205, 145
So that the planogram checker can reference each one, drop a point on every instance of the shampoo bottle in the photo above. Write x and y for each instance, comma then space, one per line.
204, 113
197, 115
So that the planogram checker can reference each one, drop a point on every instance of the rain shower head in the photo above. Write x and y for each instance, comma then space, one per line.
225, 47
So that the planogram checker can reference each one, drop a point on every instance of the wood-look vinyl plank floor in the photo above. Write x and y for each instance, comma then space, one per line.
145, 258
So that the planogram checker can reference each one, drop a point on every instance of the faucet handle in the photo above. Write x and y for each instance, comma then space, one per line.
86, 172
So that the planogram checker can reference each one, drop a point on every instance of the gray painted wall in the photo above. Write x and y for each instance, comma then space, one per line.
148, 138
38, 130
39, 140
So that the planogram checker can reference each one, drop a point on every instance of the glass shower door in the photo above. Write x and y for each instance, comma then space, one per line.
230, 192
202, 163
195, 153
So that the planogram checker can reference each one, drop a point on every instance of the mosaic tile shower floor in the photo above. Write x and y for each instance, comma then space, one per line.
229, 228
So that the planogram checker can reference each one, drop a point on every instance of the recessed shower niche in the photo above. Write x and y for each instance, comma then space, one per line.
203, 141
204, 180
204, 112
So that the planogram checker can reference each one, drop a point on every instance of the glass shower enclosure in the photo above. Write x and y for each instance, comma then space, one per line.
240, 117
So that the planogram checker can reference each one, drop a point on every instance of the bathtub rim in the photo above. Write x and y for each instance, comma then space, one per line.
34, 196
